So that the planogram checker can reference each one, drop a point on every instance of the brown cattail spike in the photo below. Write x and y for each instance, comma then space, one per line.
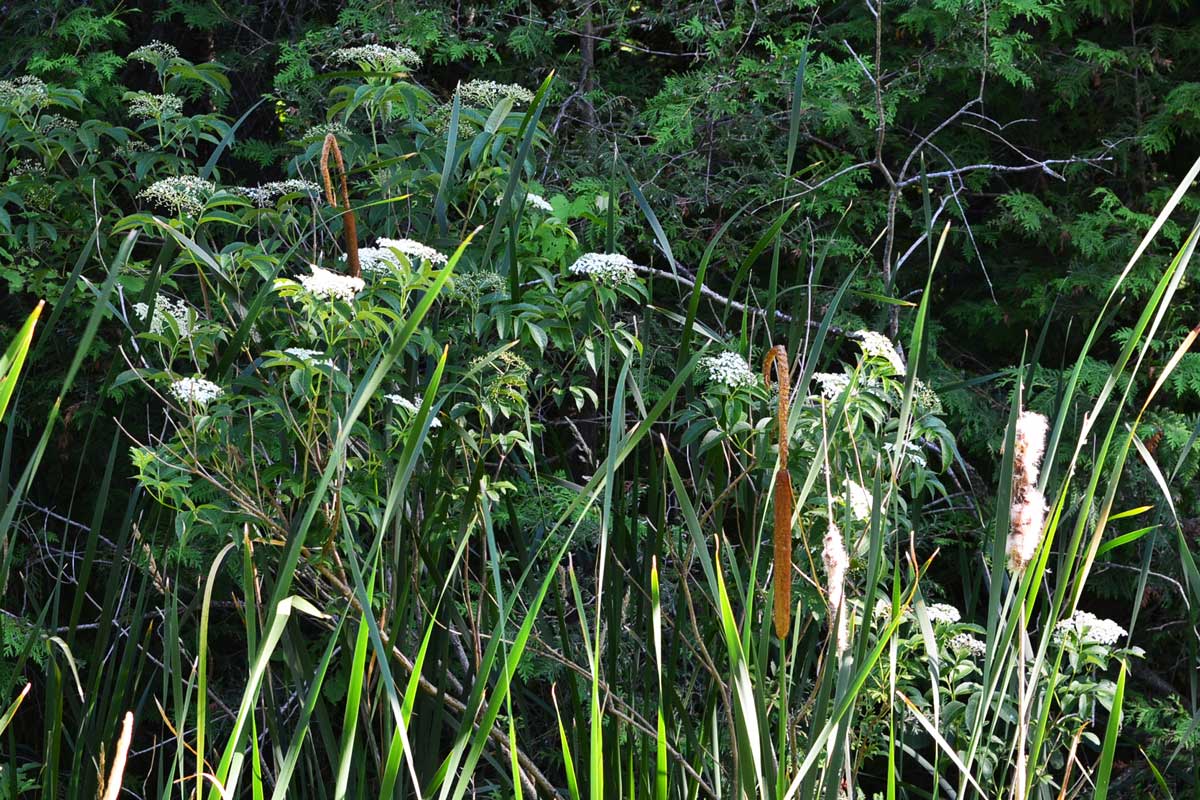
350, 228
777, 359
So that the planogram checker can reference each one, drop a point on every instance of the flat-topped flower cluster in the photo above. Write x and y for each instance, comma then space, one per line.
195, 391
184, 194
147, 105
607, 268
155, 52
488, 93
729, 369
266, 194
378, 58
1089, 629
165, 308
329, 285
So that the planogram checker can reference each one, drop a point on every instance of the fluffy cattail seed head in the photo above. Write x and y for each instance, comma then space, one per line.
837, 561
1028, 513
1029, 446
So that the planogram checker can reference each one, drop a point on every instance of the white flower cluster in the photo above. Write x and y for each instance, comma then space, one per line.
538, 202
470, 287
265, 195
52, 122
438, 121
376, 260
305, 354
910, 450
165, 307
532, 199
400, 401
153, 106
185, 194
832, 384
28, 167
943, 614
488, 93
131, 149
883, 610
729, 369
967, 643
25, 90
195, 391
608, 268
378, 58
926, 398
155, 52
329, 285
1090, 629
859, 500
879, 346
414, 250
319, 132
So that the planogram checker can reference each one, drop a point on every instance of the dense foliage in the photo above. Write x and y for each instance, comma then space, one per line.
394, 422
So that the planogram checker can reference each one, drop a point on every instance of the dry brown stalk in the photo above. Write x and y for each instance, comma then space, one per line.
777, 358
349, 223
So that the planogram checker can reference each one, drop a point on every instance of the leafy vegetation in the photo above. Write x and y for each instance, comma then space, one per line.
756, 399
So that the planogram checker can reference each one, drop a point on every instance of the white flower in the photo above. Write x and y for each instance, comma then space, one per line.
1090, 629
314, 356
319, 132
943, 614
883, 610
165, 307
488, 93
265, 195
832, 384
329, 285
879, 346
470, 287
909, 450
195, 391
414, 250
376, 260
729, 369
859, 500
377, 58
532, 199
400, 401
538, 202
926, 398
185, 194
48, 123
968, 644
609, 268
24, 90
153, 106
155, 52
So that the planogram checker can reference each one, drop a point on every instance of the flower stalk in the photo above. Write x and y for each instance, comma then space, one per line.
349, 224
777, 359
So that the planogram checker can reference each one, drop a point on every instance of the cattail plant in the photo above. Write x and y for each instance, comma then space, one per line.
777, 358
837, 561
1028, 503
330, 148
